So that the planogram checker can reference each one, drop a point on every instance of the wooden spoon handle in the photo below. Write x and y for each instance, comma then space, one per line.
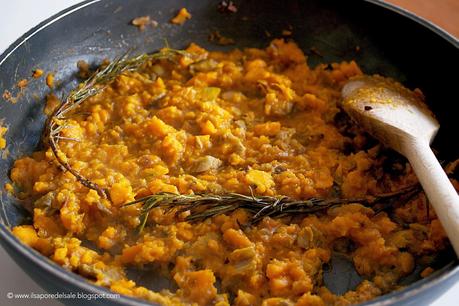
437, 187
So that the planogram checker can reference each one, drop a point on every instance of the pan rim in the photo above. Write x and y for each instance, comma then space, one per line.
10, 242
418, 19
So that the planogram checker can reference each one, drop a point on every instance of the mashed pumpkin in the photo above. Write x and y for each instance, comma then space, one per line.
225, 122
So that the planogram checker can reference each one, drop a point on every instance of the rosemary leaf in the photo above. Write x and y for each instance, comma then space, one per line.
206, 205
92, 86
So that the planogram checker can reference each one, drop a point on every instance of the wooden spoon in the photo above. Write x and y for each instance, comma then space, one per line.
399, 118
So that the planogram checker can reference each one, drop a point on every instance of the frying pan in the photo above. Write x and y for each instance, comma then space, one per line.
390, 41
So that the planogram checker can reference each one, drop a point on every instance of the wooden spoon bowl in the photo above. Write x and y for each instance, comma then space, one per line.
400, 119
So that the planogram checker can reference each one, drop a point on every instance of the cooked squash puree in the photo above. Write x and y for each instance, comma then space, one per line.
256, 119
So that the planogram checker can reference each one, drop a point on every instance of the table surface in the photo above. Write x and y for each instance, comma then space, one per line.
24, 14
444, 13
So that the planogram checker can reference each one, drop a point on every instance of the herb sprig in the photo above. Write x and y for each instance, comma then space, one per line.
91, 87
206, 205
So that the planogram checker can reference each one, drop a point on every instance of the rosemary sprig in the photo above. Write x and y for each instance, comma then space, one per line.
92, 86
202, 206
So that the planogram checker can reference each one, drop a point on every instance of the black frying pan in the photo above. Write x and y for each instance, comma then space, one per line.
392, 42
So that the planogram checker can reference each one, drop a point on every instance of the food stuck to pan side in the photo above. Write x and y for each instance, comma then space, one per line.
259, 123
